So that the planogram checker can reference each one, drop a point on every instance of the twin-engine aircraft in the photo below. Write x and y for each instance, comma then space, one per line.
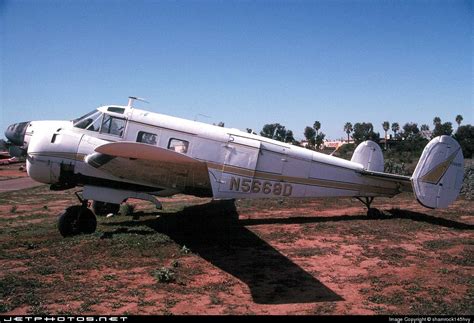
119, 152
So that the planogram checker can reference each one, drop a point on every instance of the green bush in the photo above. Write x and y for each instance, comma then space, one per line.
164, 275
126, 209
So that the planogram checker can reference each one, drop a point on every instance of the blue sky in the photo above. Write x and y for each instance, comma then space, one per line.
246, 63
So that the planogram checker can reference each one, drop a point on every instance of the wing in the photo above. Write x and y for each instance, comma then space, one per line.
154, 166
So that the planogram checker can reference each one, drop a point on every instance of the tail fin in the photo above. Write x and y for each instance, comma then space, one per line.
439, 173
369, 155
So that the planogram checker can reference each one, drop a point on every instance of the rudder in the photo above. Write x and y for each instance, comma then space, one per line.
438, 176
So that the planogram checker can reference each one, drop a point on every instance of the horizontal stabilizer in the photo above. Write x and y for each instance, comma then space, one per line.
439, 173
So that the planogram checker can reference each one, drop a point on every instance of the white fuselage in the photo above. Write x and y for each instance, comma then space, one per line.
240, 165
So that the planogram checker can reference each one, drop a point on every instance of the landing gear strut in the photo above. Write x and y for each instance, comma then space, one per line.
371, 212
77, 219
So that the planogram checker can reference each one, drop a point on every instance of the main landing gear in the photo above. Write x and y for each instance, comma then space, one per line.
371, 212
77, 219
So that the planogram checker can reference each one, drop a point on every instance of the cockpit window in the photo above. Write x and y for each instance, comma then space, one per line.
113, 125
87, 120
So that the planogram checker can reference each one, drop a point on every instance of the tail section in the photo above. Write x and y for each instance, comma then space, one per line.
439, 173
369, 155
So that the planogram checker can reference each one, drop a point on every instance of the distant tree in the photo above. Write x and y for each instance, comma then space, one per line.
319, 139
269, 130
459, 119
424, 127
386, 127
289, 138
465, 136
436, 120
220, 124
250, 131
364, 131
3, 145
395, 128
348, 129
410, 131
317, 126
278, 132
309, 134
443, 129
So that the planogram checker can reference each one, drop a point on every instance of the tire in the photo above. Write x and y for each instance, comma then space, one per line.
87, 221
104, 208
76, 220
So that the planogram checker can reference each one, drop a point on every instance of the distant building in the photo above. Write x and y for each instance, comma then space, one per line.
426, 134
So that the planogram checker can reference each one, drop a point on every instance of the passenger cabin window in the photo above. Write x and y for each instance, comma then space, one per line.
116, 110
146, 138
178, 145
113, 126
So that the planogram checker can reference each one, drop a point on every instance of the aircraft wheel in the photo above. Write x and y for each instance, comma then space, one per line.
75, 220
103, 208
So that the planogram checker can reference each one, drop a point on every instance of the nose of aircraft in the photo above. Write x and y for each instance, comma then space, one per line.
16, 133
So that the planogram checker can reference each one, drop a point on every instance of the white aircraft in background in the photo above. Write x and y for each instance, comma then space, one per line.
119, 152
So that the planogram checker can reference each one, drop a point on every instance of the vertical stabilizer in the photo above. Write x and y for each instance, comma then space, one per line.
439, 173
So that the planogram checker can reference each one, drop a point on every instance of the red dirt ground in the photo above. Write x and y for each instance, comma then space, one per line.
314, 256
12, 171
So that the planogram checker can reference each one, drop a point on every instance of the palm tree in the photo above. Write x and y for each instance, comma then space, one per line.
436, 120
317, 126
395, 128
459, 119
386, 126
348, 129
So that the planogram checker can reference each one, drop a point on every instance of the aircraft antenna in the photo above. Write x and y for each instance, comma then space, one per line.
132, 98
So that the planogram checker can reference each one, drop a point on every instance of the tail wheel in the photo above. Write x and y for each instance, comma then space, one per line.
103, 208
76, 220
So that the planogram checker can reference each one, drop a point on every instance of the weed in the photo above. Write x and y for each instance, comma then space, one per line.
4, 307
215, 300
117, 305
44, 270
110, 277
185, 250
13, 209
164, 275
378, 299
136, 292
12, 284
126, 209
146, 303
175, 264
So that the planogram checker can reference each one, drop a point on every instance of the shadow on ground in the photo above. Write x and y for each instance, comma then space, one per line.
214, 232
391, 214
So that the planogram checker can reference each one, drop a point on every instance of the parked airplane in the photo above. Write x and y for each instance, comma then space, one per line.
119, 152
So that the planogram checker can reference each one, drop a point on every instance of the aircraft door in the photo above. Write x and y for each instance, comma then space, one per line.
241, 156
272, 158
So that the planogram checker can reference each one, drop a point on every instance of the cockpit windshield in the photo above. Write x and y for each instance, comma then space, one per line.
91, 121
